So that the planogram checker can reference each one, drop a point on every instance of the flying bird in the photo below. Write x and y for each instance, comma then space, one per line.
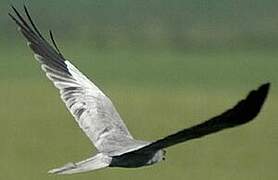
98, 118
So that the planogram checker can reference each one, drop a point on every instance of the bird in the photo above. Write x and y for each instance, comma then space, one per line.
96, 115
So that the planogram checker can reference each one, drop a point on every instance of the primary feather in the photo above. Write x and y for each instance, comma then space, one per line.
91, 108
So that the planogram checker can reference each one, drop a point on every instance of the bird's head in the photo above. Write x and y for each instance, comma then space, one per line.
159, 156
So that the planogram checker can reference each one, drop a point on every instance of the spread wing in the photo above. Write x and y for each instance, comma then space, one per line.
243, 112
93, 111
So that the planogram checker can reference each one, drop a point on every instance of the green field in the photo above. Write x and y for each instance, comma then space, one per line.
166, 65
156, 93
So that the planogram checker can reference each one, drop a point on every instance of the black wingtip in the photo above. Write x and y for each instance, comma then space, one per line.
12, 6
54, 43
11, 15
25, 9
32, 22
265, 86
249, 108
14, 9
16, 21
263, 90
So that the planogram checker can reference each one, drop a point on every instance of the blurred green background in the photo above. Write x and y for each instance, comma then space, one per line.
165, 64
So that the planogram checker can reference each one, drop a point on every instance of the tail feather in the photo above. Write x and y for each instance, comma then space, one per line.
96, 162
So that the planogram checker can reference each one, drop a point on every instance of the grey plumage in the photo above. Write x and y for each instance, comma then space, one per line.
98, 118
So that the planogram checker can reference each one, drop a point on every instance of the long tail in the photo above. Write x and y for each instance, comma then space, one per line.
96, 162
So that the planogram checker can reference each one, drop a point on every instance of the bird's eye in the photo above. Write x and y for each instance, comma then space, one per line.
163, 158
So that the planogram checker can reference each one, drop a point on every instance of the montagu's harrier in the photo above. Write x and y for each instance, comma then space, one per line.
98, 118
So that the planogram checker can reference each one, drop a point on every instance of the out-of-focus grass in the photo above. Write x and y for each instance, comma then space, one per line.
157, 68
156, 92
